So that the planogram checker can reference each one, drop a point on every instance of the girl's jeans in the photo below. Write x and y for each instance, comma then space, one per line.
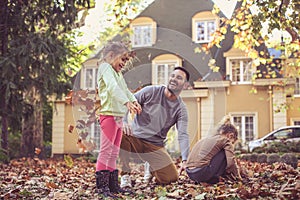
110, 140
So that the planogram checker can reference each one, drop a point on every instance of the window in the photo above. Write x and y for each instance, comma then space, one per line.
91, 134
142, 35
162, 67
143, 32
163, 72
94, 132
205, 30
295, 121
204, 24
282, 134
246, 127
241, 70
90, 78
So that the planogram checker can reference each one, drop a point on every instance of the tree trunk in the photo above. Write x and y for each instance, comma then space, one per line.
3, 52
32, 124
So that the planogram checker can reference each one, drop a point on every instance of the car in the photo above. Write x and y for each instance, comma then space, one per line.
289, 133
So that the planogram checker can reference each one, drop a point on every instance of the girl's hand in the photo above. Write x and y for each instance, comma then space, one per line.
139, 107
133, 108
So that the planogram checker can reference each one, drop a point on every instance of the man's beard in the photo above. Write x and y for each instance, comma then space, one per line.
175, 91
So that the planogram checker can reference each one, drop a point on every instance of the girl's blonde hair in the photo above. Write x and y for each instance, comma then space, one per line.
118, 48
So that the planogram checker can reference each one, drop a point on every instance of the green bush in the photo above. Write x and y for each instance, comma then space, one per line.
279, 147
273, 158
290, 158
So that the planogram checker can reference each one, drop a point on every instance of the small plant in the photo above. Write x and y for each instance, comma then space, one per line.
262, 158
290, 159
160, 191
272, 158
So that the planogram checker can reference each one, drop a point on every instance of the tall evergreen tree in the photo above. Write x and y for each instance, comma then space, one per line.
37, 42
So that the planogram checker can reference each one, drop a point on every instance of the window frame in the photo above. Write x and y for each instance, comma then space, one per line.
204, 17
242, 130
94, 77
92, 134
155, 70
143, 21
241, 76
297, 87
207, 33
295, 121
148, 25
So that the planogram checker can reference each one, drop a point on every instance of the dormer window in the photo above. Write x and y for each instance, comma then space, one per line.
239, 67
162, 66
204, 25
144, 32
142, 35
241, 70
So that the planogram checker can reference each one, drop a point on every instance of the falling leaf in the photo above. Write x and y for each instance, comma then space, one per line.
70, 128
37, 151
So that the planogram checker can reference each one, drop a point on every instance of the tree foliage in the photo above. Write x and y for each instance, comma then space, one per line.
254, 23
37, 45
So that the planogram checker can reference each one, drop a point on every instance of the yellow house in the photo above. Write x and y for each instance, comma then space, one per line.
163, 36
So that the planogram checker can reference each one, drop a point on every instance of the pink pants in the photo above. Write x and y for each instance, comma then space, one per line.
110, 141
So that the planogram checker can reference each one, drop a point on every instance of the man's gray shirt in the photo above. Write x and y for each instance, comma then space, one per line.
159, 114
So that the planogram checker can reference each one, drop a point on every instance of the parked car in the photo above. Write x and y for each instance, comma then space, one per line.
289, 133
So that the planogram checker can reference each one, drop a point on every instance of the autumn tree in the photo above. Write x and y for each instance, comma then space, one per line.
254, 23
38, 50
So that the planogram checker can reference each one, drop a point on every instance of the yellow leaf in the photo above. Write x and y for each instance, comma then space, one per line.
223, 30
197, 50
69, 161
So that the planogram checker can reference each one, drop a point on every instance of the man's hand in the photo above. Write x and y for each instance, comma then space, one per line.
182, 167
127, 129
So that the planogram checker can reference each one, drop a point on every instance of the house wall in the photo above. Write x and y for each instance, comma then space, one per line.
63, 141
239, 100
58, 127
293, 113
70, 140
193, 117
207, 114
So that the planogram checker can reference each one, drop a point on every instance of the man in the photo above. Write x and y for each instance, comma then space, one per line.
162, 107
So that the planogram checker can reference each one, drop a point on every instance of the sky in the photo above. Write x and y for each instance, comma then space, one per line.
94, 22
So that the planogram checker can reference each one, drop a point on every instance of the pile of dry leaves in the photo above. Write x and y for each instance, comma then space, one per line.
71, 178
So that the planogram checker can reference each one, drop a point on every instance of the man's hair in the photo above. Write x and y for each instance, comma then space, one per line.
187, 74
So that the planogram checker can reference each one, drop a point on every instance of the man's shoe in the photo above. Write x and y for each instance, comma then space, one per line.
114, 186
125, 181
147, 172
